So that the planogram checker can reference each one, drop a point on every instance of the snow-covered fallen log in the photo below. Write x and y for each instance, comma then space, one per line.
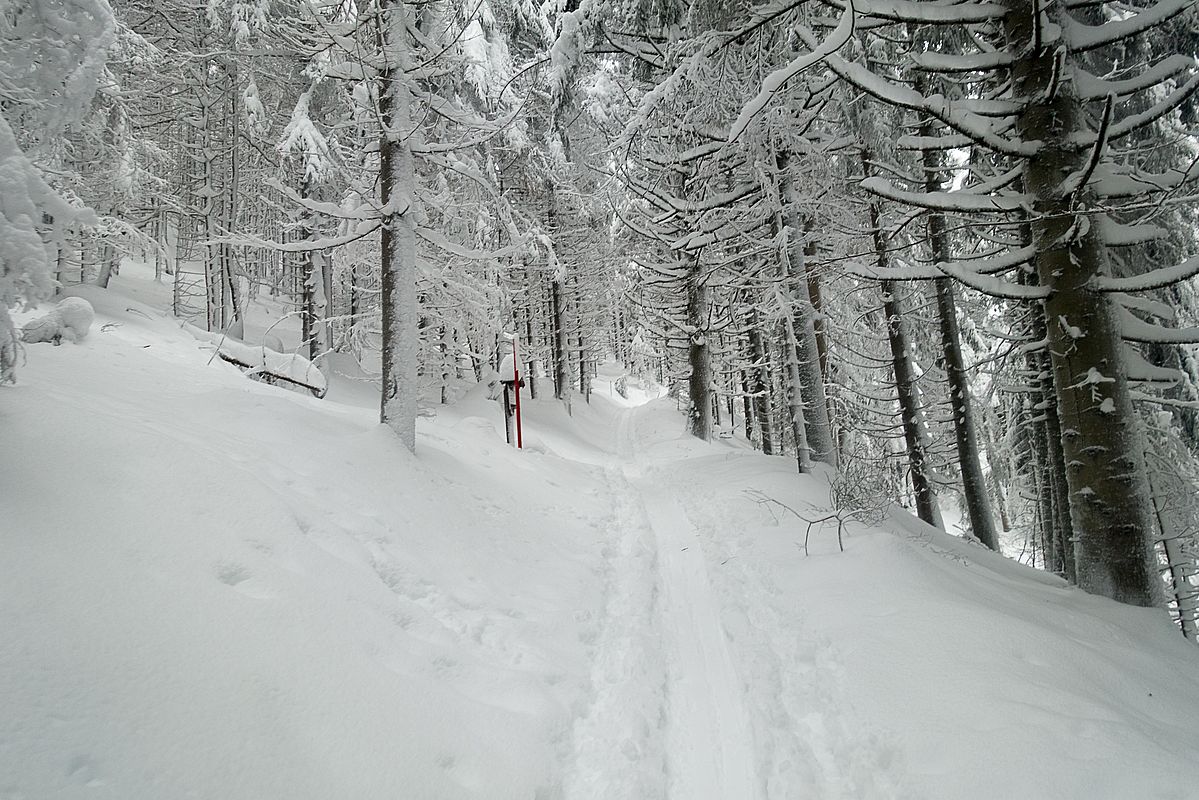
262, 363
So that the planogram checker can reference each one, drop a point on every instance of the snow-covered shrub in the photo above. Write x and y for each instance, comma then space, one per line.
51, 61
8, 347
70, 318
859, 490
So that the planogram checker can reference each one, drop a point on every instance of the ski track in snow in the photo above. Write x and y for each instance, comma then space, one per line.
814, 744
668, 718
812, 741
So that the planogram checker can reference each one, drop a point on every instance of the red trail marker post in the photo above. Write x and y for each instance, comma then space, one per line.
516, 388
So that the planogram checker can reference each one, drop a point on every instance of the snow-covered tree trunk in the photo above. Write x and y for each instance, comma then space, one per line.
308, 276
325, 309
1109, 496
760, 383
818, 430
1183, 586
107, 265
795, 398
531, 368
355, 293
397, 180
919, 468
204, 149
581, 343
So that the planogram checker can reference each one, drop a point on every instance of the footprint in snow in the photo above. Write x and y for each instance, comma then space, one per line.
83, 770
236, 576
231, 574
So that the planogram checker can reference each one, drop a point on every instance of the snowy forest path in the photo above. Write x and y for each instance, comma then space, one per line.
710, 752
698, 729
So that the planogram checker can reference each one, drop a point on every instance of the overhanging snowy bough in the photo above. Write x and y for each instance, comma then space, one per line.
263, 364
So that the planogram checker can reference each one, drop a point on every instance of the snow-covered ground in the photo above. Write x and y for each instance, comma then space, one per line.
214, 588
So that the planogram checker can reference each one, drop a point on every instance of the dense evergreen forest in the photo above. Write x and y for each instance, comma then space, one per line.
942, 251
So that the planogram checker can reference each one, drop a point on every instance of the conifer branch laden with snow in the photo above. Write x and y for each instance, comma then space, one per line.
1064, 165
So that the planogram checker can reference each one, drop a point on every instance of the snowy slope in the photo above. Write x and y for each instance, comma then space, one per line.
213, 588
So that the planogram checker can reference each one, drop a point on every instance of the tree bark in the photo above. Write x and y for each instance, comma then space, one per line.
747, 407
308, 339
561, 349
1108, 494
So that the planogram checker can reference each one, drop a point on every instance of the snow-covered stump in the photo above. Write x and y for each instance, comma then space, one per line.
71, 318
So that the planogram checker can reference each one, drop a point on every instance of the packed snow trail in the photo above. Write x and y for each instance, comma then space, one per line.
710, 751
706, 749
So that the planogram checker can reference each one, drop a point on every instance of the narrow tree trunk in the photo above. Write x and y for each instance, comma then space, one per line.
308, 272
107, 265
233, 301
326, 311
1170, 508
760, 384
561, 349
1170, 472
819, 326
530, 359
355, 303
584, 373
1063, 520
177, 294
442, 353
700, 381
747, 407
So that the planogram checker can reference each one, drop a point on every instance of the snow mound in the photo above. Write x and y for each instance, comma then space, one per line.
71, 318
